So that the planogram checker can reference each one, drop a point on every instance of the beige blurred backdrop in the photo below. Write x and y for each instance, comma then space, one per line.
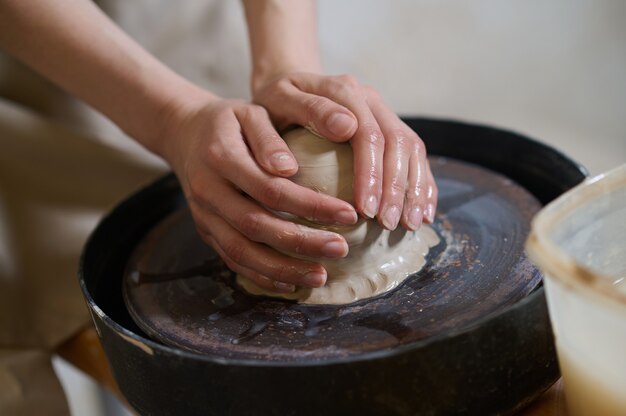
553, 70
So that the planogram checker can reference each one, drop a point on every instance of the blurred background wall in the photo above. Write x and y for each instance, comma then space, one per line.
553, 70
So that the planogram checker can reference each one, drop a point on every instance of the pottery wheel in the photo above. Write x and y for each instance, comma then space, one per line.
180, 293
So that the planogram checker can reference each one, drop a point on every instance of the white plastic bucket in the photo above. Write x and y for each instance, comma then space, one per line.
579, 242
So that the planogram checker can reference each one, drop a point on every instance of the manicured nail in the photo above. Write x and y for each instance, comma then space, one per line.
415, 218
283, 162
314, 279
371, 207
335, 249
391, 217
430, 213
346, 217
284, 287
340, 124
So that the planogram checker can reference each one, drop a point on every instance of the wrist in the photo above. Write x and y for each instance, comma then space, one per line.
263, 75
283, 38
172, 115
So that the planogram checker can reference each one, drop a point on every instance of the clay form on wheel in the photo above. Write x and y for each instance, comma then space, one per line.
379, 260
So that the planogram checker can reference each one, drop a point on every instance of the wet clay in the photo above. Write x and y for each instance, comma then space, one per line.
379, 260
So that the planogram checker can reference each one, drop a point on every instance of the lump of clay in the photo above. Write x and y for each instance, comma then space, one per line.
379, 260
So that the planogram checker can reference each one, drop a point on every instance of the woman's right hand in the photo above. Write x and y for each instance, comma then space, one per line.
211, 148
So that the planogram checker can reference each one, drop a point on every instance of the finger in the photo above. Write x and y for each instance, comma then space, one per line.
260, 258
230, 156
414, 205
396, 162
269, 149
431, 195
280, 194
320, 114
260, 280
260, 225
368, 143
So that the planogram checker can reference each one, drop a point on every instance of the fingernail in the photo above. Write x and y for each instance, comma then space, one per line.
335, 249
371, 207
284, 287
346, 217
415, 218
314, 279
283, 162
340, 124
391, 217
430, 213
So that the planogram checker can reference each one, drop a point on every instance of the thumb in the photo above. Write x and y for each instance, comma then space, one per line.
269, 149
320, 114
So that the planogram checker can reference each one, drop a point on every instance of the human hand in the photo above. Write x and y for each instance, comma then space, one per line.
393, 180
211, 148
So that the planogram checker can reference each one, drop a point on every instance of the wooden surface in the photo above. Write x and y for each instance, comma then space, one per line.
85, 352
551, 403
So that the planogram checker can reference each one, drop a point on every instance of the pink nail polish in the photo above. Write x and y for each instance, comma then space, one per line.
415, 218
284, 287
391, 217
335, 249
430, 213
347, 217
340, 124
283, 162
371, 207
314, 279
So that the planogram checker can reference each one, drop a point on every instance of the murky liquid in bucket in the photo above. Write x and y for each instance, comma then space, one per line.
579, 242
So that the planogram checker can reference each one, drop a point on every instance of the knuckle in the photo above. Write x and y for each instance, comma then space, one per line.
348, 80
374, 177
315, 106
400, 137
282, 273
373, 135
371, 93
344, 85
397, 187
251, 225
282, 86
316, 209
257, 112
216, 153
299, 239
235, 251
272, 193
418, 144
250, 114
270, 141
416, 190
410, 199
246, 114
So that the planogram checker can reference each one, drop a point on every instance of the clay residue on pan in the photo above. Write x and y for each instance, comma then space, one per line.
379, 260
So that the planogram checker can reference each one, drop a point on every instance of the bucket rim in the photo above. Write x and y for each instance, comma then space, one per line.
554, 262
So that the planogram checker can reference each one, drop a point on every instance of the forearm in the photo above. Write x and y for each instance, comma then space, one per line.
75, 45
283, 38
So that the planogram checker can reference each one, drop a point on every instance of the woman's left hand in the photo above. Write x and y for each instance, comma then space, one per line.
393, 181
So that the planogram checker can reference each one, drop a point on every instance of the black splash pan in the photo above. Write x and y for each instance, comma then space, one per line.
493, 359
